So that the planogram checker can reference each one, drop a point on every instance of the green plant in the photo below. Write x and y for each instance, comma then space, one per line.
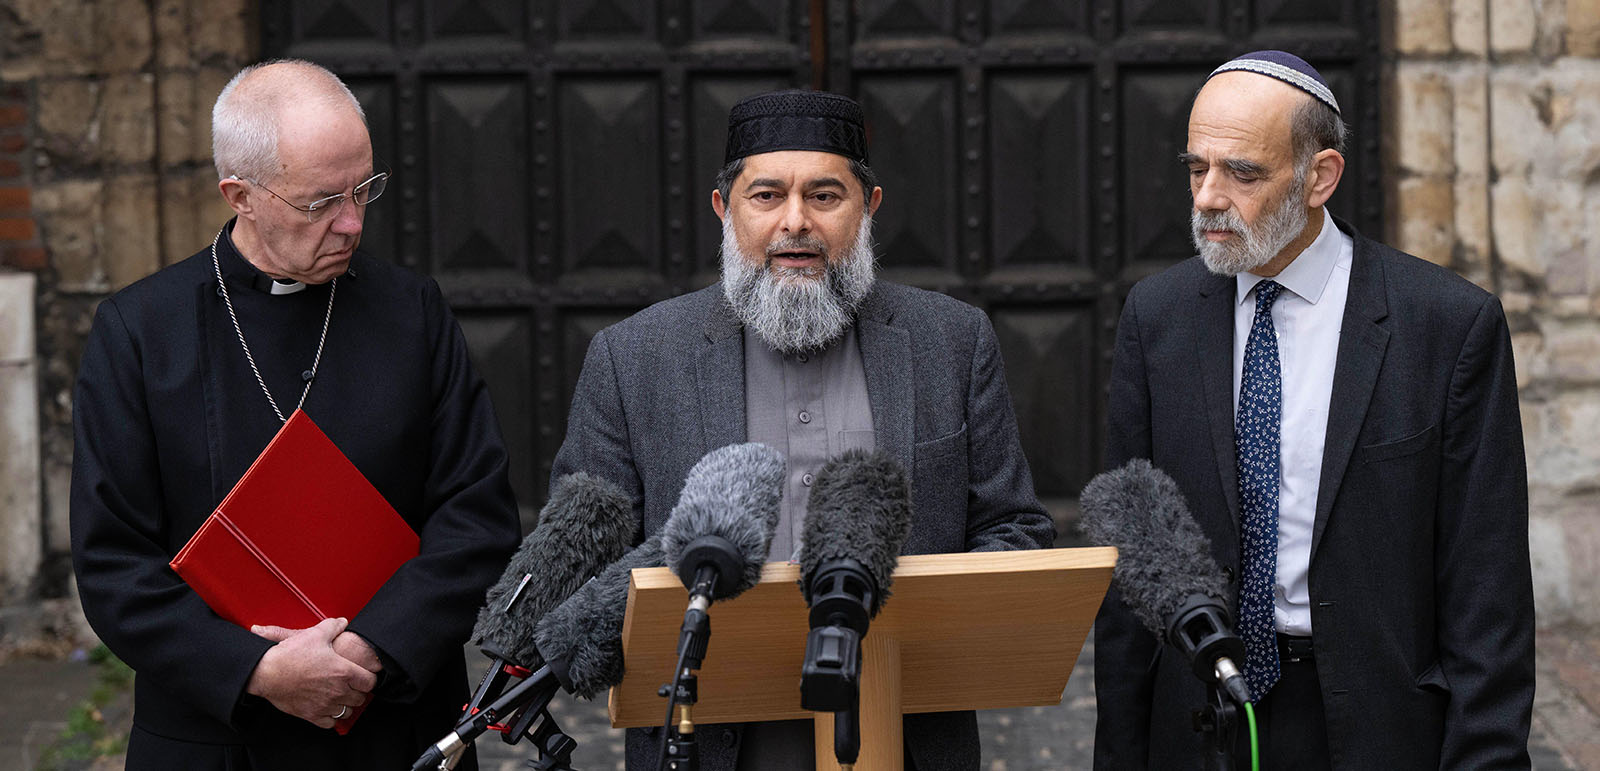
87, 735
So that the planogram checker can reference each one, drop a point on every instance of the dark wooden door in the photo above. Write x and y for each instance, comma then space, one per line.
554, 162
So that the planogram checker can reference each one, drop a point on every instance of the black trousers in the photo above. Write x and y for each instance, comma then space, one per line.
1290, 725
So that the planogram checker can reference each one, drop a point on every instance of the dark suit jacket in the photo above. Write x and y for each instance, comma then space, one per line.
168, 416
1422, 604
666, 386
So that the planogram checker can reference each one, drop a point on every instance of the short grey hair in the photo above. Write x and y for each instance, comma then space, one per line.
1315, 127
244, 121
735, 167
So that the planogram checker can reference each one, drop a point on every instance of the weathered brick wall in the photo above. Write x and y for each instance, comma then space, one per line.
1494, 136
105, 176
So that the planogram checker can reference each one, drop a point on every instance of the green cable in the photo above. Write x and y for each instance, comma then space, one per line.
1255, 751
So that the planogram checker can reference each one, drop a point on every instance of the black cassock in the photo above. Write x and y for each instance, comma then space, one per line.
168, 416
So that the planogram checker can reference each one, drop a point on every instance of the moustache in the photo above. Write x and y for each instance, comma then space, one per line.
797, 244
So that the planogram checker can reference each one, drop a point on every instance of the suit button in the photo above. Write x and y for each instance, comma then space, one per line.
1227, 574
729, 737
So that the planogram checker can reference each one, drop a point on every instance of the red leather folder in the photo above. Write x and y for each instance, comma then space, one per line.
302, 537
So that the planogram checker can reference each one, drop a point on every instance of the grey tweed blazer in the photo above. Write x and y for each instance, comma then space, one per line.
666, 386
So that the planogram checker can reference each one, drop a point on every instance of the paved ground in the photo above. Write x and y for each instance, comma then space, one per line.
35, 697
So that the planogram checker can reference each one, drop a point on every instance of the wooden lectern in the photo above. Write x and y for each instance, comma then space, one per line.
958, 631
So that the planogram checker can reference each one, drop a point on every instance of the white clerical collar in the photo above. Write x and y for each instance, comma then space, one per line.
1306, 275
286, 286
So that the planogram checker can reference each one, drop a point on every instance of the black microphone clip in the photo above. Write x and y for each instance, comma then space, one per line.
842, 592
1202, 630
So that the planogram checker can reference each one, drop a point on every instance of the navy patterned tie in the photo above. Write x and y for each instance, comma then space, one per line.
1256, 442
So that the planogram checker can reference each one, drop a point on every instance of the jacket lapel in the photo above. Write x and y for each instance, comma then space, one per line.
1214, 362
886, 357
1362, 342
719, 379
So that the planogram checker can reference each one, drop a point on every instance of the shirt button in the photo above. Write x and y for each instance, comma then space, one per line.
805, 417
1227, 574
807, 479
802, 358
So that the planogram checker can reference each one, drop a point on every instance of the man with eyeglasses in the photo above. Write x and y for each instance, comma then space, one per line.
186, 376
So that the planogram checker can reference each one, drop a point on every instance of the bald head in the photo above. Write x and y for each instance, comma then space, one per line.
254, 109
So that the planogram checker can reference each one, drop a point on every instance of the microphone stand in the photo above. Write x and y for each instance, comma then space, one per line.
1218, 722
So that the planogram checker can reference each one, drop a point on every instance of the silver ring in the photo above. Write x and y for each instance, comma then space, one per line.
343, 710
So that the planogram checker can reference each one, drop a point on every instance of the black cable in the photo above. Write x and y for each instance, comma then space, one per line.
672, 698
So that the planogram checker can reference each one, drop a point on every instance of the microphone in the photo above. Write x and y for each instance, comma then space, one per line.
1165, 569
581, 639
580, 644
857, 519
716, 539
587, 523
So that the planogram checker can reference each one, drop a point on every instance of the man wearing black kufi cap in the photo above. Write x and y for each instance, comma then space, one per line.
801, 348
1342, 419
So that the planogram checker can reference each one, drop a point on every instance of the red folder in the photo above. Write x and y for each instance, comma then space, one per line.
302, 537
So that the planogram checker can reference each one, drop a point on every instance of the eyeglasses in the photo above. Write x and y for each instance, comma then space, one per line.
361, 194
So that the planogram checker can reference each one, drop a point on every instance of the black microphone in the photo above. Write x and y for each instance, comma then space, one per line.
587, 524
1165, 570
857, 519
579, 643
716, 539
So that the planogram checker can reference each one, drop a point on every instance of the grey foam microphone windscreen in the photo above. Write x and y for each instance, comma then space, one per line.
587, 524
581, 638
733, 492
859, 509
1163, 557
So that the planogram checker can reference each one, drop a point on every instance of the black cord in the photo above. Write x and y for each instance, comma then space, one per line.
672, 699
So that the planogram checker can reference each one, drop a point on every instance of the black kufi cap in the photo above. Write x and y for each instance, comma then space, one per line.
796, 120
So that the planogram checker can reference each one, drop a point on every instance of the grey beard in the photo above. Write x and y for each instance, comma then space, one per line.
788, 308
1257, 245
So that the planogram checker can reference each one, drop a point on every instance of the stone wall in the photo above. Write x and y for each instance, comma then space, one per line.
1493, 136
105, 176
1494, 170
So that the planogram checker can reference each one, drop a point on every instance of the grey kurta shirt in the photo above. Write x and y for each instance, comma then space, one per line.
810, 407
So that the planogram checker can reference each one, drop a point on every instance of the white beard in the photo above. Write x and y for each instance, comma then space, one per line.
1255, 246
793, 309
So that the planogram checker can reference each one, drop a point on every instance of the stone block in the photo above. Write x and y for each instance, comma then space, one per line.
1575, 120
123, 29
1572, 351
1562, 240
1421, 26
1552, 566
1426, 209
21, 541
1425, 137
129, 241
1469, 100
17, 339
1562, 456
1580, 519
172, 42
1519, 102
1467, 27
1513, 26
67, 124
1525, 346
65, 34
128, 128
224, 31
208, 84
175, 95
1583, 28
1514, 226
69, 216
1472, 236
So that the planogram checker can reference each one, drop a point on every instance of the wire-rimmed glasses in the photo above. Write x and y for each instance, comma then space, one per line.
362, 194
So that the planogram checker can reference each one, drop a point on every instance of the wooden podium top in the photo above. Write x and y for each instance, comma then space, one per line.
977, 631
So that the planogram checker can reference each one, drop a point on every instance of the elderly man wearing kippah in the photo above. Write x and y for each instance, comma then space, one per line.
800, 347
1343, 421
